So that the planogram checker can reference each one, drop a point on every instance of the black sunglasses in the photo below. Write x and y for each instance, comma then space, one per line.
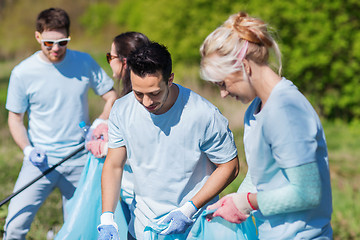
110, 57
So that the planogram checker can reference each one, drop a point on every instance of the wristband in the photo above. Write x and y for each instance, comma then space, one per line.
97, 122
27, 150
194, 205
107, 218
247, 197
188, 209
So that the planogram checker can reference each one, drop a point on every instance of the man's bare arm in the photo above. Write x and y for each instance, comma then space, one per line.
18, 130
111, 178
223, 175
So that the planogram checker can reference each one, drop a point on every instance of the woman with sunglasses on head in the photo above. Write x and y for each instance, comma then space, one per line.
284, 140
51, 86
85, 206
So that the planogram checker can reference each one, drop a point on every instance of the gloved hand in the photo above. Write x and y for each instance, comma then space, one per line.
98, 145
89, 133
97, 122
234, 208
180, 219
108, 229
36, 155
98, 148
101, 132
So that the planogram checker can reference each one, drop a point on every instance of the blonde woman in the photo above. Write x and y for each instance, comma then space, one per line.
288, 185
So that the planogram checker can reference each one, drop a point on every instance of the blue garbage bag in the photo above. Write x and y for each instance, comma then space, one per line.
84, 208
219, 228
151, 232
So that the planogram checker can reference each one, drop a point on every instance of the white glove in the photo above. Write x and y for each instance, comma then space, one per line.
107, 218
36, 155
179, 219
108, 230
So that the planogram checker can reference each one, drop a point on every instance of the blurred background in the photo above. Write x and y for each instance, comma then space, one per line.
319, 40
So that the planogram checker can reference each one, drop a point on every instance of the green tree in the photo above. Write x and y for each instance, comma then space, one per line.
181, 25
318, 40
321, 51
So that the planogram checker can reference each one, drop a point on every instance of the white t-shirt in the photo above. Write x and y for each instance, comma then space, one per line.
172, 154
287, 133
55, 96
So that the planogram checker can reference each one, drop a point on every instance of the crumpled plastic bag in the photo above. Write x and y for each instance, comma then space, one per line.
84, 208
219, 228
151, 232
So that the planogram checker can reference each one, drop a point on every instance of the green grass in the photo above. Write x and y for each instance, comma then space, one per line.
343, 145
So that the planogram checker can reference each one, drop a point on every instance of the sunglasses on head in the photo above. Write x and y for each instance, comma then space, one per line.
61, 42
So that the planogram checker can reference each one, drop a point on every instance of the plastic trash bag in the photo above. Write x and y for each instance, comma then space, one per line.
84, 208
219, 228
151, 232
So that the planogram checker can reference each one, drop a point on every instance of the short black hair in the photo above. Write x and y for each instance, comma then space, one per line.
151, 59
53, 19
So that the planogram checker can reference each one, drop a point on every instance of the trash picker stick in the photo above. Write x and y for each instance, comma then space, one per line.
41, 175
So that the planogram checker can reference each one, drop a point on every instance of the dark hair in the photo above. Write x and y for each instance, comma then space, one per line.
53, 19
126, 43
151, 59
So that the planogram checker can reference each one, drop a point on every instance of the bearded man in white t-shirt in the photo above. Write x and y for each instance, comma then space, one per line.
51, 86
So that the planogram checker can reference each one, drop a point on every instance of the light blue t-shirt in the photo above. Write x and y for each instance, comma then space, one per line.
287, 133
55, 96
172, 154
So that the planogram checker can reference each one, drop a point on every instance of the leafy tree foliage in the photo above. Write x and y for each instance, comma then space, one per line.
318, 39
181, 25
96, 17
321, 51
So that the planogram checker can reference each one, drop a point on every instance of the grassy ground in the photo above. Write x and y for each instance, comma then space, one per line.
343, 144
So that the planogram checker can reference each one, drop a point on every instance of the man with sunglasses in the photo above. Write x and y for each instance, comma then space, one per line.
51, 86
